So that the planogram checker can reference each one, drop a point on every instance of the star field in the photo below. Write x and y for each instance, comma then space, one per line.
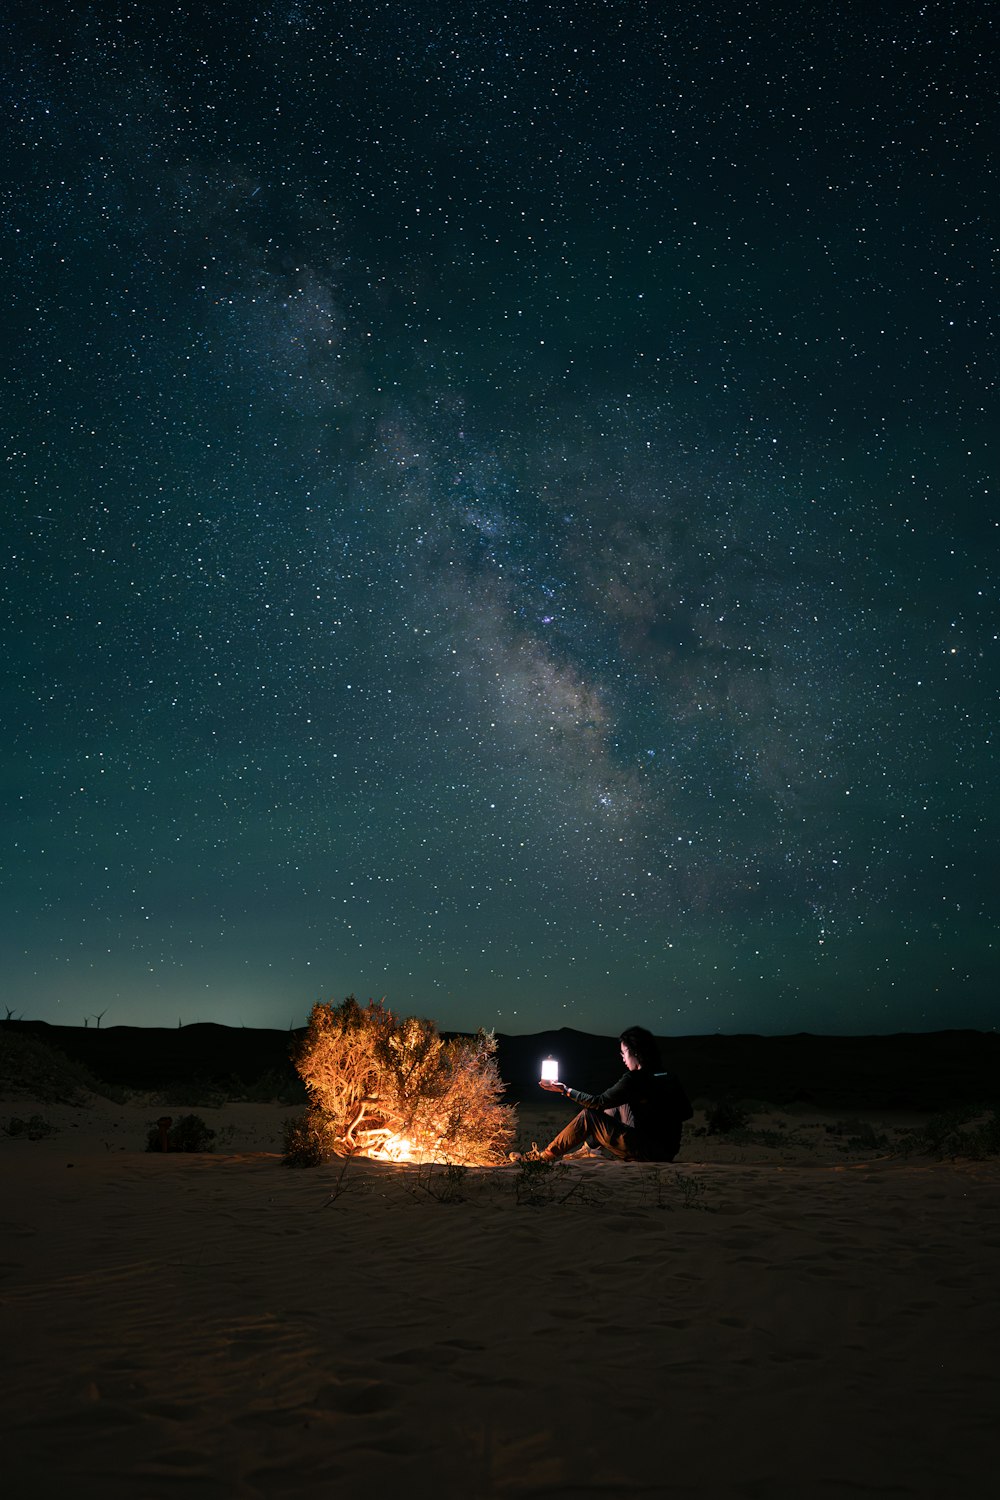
500, 512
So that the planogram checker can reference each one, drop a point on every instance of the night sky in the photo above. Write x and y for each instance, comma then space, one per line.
500, 512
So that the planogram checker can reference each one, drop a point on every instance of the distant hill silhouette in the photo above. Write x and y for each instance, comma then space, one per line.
910, 1070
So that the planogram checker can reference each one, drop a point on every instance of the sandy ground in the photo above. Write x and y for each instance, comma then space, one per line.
768, 1320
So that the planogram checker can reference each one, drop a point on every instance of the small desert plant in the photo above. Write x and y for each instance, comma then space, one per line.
726, 1116
446, 1185
34, 1129
669, 1189
342, 1183
973, 1132
692, 1192
308, 1140
536, 1181
773, 1140
189, 1133
652, 1189
587, 1191
29, 1065
539, 1182
860, 1135
395, 1089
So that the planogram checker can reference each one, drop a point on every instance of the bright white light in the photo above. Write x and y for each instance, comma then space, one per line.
550, 1070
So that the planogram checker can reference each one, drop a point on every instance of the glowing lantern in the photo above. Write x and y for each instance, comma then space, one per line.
550, 1070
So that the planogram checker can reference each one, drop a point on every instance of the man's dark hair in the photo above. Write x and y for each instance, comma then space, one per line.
643, 1046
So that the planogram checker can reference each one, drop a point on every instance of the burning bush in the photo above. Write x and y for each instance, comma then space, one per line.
396, 1090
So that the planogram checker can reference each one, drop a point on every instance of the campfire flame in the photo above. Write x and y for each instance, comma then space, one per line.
384, 1145
396, 1148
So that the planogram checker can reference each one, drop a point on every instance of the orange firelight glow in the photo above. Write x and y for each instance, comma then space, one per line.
396, 1148
382, 1146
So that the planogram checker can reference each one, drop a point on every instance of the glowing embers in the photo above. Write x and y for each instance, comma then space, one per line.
379, 1142
394, 1148
397, 1148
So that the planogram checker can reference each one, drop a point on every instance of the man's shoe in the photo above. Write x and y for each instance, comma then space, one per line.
533, 1155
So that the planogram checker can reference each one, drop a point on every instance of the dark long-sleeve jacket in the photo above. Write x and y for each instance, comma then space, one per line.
655, 1104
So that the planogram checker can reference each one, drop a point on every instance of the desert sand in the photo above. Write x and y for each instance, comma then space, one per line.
810, 1316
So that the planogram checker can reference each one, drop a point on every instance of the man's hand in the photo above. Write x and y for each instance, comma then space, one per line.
550, 1087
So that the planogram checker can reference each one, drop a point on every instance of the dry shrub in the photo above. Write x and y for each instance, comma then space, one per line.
395, 1089
189, 1133
308, 1141
29, 1065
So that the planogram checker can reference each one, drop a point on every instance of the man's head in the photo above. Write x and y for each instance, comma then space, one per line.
639, 1049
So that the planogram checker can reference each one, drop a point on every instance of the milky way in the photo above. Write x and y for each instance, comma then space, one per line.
501, 514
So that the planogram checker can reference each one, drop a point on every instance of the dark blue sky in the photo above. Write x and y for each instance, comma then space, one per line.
501, 513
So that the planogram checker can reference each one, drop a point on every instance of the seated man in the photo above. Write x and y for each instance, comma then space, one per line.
639, 1118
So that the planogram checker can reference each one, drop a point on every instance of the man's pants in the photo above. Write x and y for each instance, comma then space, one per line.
594, 1127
